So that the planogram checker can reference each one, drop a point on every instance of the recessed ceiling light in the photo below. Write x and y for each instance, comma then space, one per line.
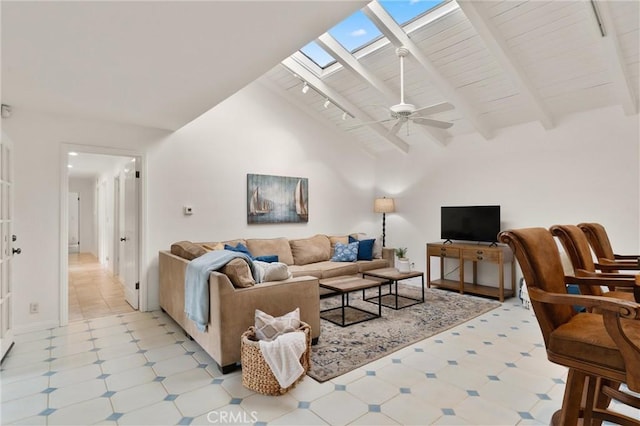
69, 166
73, 153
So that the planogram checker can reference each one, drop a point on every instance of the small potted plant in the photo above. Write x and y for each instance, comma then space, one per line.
403, 261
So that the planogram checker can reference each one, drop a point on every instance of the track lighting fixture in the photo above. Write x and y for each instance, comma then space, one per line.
305, 88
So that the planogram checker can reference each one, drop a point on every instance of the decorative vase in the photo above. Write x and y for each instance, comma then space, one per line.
404, 265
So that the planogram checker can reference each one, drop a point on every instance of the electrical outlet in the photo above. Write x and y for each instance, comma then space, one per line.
34, 308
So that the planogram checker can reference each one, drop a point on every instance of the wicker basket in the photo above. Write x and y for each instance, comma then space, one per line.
256, 374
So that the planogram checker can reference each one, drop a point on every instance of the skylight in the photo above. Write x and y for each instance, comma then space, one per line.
358, 31
404, 11
355, 32
318, 55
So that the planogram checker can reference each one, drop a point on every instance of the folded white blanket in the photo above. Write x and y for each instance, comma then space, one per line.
283, 354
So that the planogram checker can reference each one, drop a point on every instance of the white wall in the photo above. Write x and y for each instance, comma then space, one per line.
585, 169
204, 164
37, 145
85, 187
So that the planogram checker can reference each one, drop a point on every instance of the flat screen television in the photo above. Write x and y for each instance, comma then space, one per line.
470, 223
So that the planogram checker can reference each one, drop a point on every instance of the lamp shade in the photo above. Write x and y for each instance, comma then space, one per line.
384, 205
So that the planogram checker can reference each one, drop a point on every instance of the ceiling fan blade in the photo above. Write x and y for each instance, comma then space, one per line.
434, 109
396, 126
366, 123
433, 123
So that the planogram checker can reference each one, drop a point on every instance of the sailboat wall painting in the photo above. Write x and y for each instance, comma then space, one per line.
277, 199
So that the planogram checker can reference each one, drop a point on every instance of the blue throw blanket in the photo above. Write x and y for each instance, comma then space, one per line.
196, 283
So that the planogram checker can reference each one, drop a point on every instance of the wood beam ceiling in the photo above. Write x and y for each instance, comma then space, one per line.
388, 26
348, 61
493, 40
347, 105
615, 59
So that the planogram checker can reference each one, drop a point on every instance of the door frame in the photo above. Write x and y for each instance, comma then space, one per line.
65, 148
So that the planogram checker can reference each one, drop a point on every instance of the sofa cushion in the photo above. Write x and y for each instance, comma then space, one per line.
239, 273
377, 245
344, 239
271, 246
325, 269
213, 246
241, 248
368, 265
310, 250
346, 252
187, 250
365, 248
268, 327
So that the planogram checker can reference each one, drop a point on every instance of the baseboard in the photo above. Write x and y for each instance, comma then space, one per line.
38, 326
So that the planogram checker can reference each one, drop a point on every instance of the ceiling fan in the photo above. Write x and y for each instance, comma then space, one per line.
404, 113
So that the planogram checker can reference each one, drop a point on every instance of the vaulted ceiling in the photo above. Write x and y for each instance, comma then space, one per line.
162, 64
151, 63
499, 63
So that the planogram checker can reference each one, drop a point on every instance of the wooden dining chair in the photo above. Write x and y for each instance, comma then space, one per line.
608, 261
576, 246
599, 349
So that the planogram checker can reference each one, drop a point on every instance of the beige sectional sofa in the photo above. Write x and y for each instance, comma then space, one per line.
232, 309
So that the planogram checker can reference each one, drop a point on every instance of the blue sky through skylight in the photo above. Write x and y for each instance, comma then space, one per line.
357, 30
403, 11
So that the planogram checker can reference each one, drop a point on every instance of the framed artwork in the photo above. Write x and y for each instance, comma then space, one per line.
277, 199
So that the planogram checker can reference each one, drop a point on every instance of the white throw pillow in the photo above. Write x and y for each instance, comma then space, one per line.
274, 271
268, 327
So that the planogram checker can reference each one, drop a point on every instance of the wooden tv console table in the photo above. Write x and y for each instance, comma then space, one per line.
476, 253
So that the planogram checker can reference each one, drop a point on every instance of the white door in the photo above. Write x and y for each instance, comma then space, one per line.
116, 228
74, 222
129, 238
6, 255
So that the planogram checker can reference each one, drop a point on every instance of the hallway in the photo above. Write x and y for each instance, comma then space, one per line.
93, 291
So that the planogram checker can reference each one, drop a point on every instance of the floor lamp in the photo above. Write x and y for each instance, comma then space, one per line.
384, 205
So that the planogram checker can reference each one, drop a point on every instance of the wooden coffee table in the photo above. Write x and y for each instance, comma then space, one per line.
391, 276
344, 286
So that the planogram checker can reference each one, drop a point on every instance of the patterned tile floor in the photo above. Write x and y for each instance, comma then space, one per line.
139, 368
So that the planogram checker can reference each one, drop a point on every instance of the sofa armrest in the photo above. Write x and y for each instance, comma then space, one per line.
233, 309
390, 255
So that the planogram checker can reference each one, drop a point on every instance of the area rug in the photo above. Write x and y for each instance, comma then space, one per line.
342, 349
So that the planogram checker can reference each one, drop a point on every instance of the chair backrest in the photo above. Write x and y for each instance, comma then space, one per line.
598, 239
539, 259
576, 246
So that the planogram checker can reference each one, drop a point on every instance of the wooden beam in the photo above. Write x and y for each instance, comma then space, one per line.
323, 88
615, 59
388, 26
349, 62
493, 40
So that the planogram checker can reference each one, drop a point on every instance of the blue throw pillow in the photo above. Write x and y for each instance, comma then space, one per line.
269, 258
345, 252
239, 247
365, 248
